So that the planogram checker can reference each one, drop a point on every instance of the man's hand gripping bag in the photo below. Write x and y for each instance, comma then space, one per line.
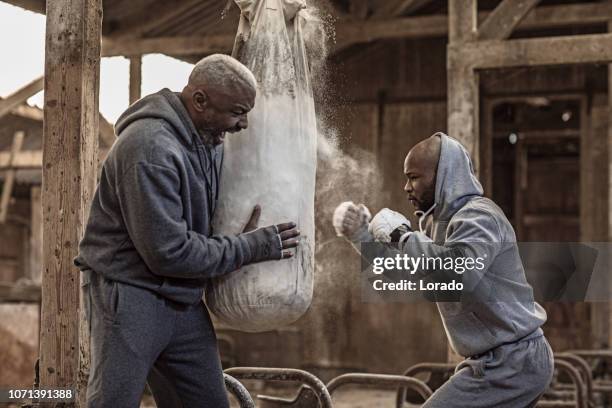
272, 163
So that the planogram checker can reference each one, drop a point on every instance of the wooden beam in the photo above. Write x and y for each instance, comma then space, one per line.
398, 7
20, 96
463, 91
350, 32
179, 46
72, 78
506, 16
36, 236
135, 77
359, 9
29, 112
11, 292
107, 133
566, 50
27, 159
9, 180
37, 6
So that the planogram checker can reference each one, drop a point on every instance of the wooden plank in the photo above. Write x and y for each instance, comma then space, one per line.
27, 159
10, 292
29, 112
359, 9
351, 32
72, 77
9, 180
107, 133
462, 20
463, 91
564, 50
37, 6
135, 25
506, 16
135, 77
36, 236
20, 96
179, 46
398, 7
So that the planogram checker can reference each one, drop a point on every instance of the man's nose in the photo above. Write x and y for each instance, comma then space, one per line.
407, 187
244, 122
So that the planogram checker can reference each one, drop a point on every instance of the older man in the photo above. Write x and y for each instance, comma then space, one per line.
148, 248
494, 323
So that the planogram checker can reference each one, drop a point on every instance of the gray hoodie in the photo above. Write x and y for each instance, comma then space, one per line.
149, 223
500, 307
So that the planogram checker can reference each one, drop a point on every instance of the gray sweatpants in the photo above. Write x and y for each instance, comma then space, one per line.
138, 337
510, 376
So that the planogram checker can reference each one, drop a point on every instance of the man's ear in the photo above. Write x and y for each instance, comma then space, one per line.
200, 100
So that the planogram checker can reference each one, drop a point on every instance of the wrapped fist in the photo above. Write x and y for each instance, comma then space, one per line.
352, 221
389, 226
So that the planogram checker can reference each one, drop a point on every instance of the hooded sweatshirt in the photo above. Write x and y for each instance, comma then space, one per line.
150, 219
498, 305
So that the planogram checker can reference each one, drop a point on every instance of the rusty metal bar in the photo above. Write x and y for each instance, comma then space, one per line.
421, 368
583, 366
284, 374
239, 391
380, 379
581, 400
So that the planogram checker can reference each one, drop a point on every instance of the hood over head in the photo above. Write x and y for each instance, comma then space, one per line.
165, 105
456, 182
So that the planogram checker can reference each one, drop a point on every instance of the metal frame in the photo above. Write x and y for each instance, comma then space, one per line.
380, 379
238, 390
284, 374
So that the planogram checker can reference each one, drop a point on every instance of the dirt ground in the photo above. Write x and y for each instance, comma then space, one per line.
344, 398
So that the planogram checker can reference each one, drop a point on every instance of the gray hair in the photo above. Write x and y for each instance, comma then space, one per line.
222, 70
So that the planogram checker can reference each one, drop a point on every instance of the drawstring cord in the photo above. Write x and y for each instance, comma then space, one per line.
422, 215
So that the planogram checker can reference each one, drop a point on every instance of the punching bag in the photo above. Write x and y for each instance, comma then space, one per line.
272, 163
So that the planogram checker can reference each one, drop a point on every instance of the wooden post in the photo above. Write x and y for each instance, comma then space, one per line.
70, 144
7, 188
36, 236
463, 91
135, 78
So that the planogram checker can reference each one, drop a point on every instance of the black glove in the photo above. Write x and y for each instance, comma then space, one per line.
397, 233
264, 244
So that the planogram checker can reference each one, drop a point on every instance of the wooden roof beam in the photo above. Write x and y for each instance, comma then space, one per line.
394, 8
506, 16
565, 50
20, 96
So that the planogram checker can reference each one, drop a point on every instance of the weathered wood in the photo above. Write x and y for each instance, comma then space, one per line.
37, 6
351, 32
9, 180
29, 112
28, 159
178, 46
20, 96
10, 292
564, 50
398, 7
359, 9
107, 133
506, 16
135, 25
70, 143
462, 20
463, 92
36, 236
135, 78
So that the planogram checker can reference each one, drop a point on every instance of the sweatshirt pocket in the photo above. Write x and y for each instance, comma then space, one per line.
468, 334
